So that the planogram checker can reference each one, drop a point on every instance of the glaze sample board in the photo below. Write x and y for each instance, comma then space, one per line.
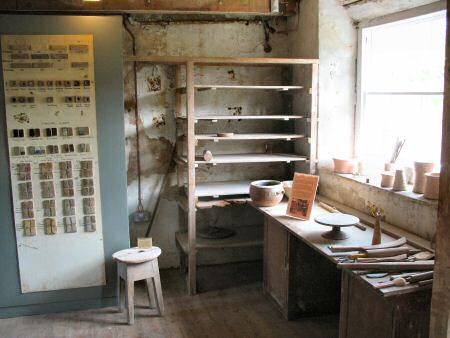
52, 139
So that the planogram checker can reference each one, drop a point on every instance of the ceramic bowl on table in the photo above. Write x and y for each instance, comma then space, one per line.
266, 193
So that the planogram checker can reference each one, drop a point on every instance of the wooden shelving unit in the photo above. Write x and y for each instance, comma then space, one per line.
196, 196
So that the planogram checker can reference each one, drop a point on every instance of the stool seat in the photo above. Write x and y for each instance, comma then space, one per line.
137, 255
136, 264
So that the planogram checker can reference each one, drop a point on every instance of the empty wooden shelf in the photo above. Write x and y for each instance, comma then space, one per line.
253, 136
225, 188
251, 158
215, 118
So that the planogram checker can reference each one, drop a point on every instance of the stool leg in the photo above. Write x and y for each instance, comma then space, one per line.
130, 301
151, 292
118, 295
157, 288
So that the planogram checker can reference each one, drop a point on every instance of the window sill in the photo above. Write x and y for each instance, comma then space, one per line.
408, 194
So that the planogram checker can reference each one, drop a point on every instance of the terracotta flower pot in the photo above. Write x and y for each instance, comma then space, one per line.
420, 169
344, 166
387, 179
266, 193
431, 186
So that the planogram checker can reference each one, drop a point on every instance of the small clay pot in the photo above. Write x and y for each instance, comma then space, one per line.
431, 186
287, 185
387, 179
399, 181
420, 169
344, 166
266, 193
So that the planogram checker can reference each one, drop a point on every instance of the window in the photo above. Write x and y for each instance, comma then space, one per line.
401, 91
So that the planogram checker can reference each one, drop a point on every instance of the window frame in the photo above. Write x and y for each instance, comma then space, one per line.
391, 18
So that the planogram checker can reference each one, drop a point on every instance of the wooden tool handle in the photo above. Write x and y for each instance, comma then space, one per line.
399, 242
388, 252
388, 266
328, 207
425, 282
420, 277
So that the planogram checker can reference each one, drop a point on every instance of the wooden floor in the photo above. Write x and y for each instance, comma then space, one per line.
239, 312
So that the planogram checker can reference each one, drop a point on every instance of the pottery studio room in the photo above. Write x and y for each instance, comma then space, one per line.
225, 168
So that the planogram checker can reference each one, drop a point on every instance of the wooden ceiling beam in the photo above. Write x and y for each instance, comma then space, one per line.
257, 7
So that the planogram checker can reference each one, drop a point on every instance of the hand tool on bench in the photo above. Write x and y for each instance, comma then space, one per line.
392, 244
407, 274
388, 266
397, 258
402, 281
425, 282
389, 252
333, 209
395, 282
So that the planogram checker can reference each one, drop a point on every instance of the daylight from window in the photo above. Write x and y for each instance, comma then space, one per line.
402, 83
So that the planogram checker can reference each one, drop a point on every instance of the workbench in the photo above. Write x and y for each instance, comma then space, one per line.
301, 278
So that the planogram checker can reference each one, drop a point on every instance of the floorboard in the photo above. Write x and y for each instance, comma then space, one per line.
237, 312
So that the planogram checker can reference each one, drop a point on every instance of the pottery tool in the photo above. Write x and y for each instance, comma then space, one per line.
388, 252
388, 266
377, 275
397, 258
425, 282
393, 244
422, 256
334, 210
407, 274
336, 221
395, 282
397, 149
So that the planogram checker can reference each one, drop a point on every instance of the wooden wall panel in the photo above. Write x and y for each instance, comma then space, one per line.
440, 308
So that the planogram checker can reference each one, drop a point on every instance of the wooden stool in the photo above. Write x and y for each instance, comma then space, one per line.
137, 264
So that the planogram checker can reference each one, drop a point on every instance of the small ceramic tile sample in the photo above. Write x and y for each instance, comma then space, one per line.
68, 206
47, 189
49, 208
88, 206
50, 226
25, 191
67, 188
65, 169
70, 224
24, 171
27, 209
86, 169
89, 223
46, 170
29, 227
87, 187
84, 148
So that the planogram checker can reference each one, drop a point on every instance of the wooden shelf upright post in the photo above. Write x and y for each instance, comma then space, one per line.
190, 111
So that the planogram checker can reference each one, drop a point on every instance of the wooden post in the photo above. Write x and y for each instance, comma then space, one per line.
440, 303
314, 117
190, 111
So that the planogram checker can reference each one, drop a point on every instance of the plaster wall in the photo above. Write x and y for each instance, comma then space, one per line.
156, 99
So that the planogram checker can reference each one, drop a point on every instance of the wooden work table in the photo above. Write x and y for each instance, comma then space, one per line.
300, 277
